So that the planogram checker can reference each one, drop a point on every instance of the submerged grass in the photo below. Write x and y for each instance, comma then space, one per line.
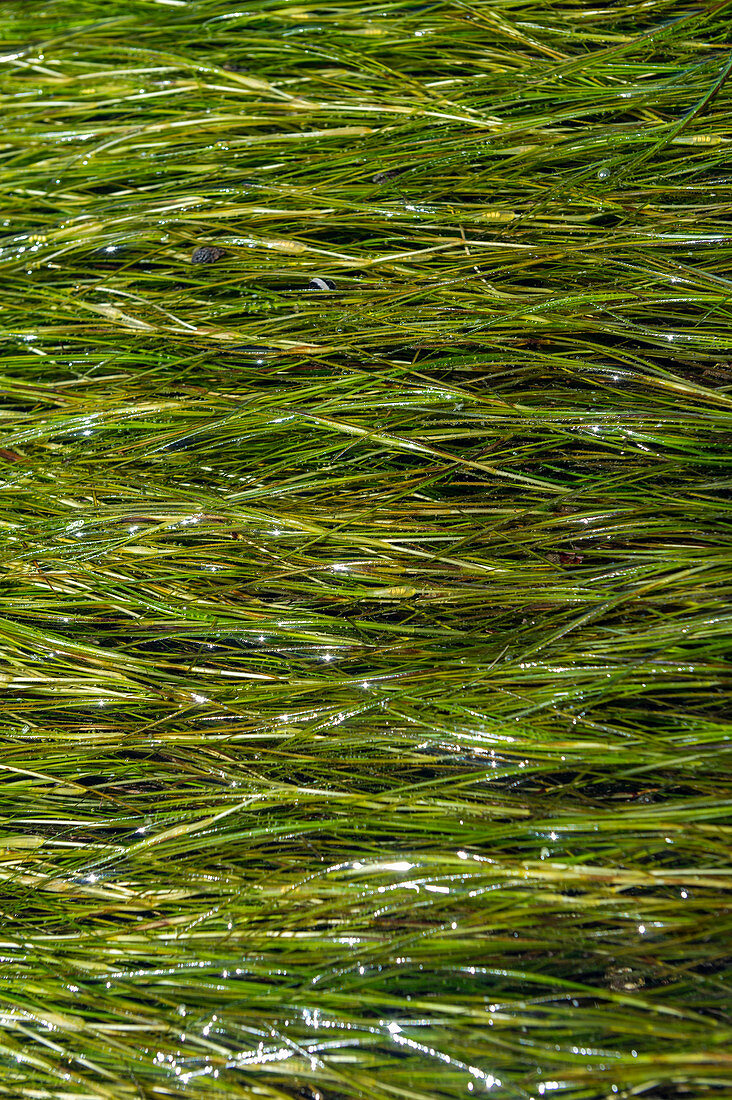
365, 650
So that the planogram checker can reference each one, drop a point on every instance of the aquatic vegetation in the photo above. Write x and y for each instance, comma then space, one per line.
366, 402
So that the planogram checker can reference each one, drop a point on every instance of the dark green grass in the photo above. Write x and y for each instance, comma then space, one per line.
365, 653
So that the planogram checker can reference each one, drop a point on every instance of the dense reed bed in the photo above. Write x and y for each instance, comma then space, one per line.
365, 644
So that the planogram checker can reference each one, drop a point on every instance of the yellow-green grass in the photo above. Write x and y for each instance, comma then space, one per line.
364, 648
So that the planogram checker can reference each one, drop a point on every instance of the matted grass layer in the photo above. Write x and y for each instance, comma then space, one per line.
365, 645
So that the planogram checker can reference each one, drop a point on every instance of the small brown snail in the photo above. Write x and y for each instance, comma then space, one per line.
207, 254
